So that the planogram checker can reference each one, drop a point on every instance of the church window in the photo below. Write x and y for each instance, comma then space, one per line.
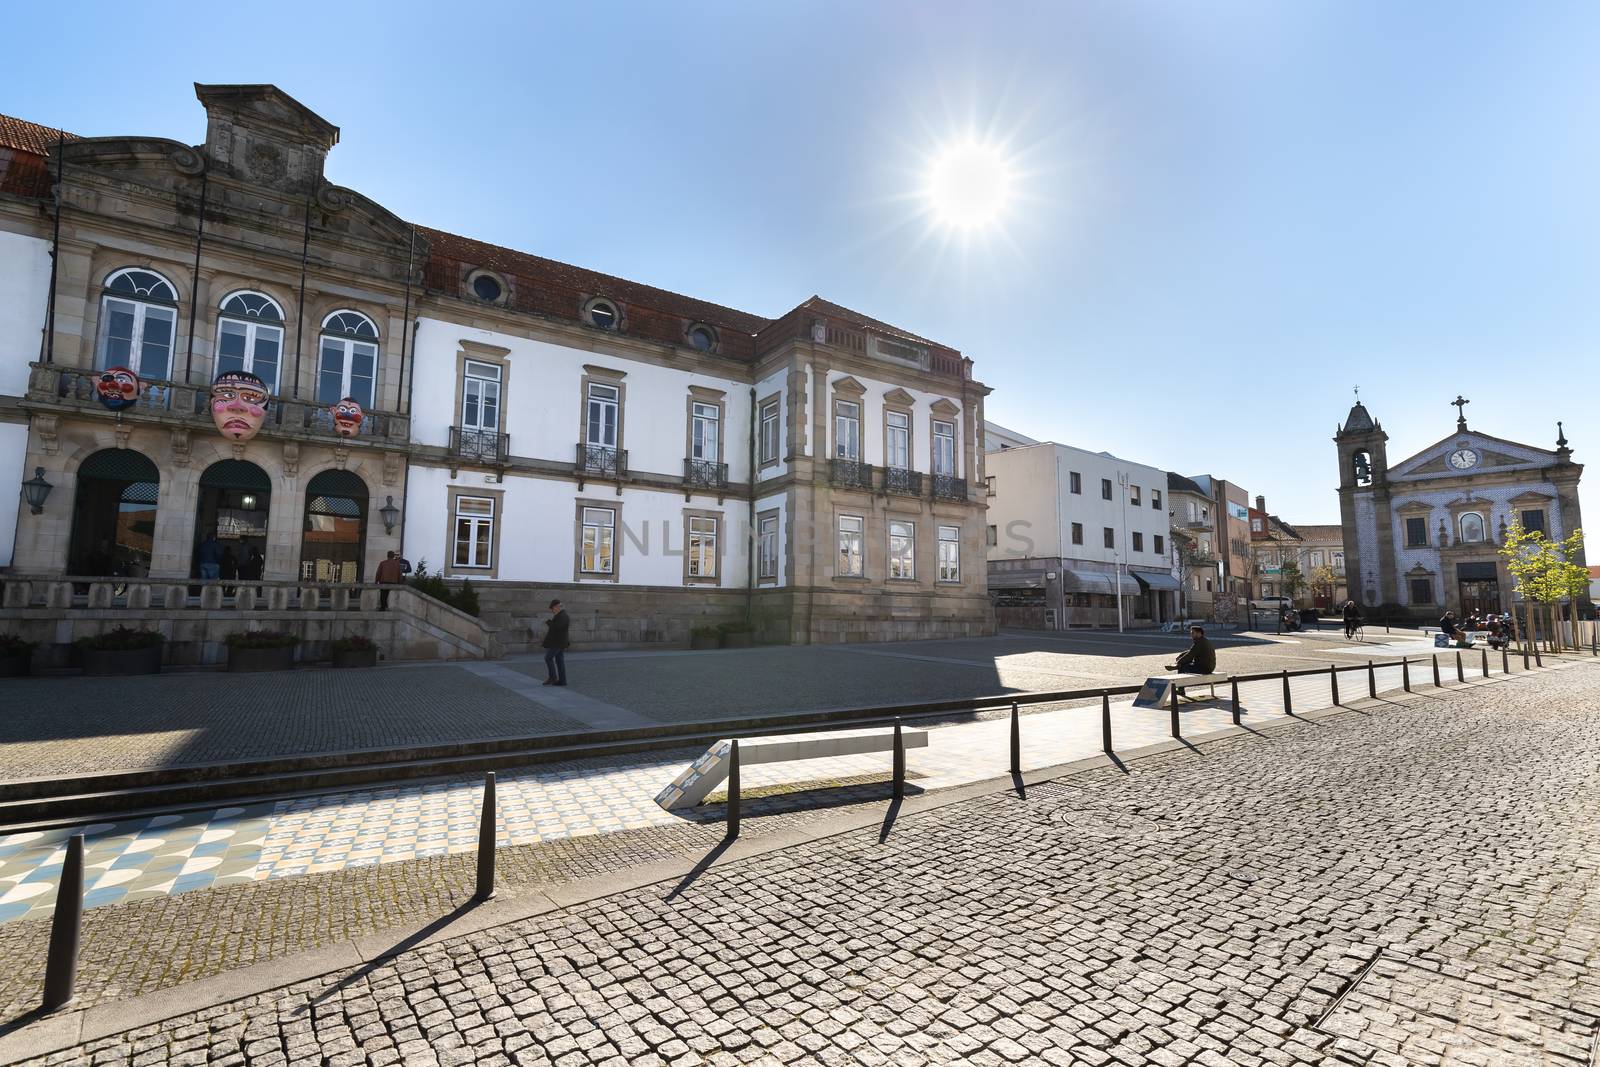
1422, 590
1471, 525
1533, 520
1416, 532
1361, 468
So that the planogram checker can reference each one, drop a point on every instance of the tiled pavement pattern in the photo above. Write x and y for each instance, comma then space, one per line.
203, 717
327, 833
1205, 908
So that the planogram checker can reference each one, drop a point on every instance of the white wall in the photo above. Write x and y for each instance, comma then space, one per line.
1032, 487
542, 406
13, 453
872, 437
25, 281
538, 528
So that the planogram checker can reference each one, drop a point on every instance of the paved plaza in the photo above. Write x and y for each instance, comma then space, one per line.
1413, 882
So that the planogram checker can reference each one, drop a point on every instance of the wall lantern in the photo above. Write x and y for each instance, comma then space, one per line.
390, 513
36, 490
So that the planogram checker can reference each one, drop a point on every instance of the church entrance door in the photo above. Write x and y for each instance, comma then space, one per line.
1479, 585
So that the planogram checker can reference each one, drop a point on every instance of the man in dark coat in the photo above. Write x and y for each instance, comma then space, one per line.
555, 643
1199, 657
1352, 619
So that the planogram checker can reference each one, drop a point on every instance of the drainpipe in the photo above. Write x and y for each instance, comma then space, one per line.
55, 247
752, 534
194, 279
300, 311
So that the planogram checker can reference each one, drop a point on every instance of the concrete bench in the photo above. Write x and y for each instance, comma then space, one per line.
711, 769
1156, 688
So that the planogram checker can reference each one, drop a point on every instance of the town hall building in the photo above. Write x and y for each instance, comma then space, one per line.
1426, 532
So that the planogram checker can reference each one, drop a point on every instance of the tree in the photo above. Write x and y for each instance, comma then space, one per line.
1546, 571
1190, 559
1289, 576
1322, 579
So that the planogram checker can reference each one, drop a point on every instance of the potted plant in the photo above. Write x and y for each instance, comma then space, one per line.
16, 656
705, 637
123, 650
357, 650
261, 650
735, 635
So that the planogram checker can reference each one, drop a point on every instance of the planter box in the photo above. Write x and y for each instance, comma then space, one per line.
702, 641
15, 664
738, 640
100, 663
356, 657
260, 659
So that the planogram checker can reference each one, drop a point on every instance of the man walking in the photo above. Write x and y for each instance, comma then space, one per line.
390, 572
210, 557
555, 644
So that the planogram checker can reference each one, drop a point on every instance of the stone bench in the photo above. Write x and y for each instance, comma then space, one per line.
1155, 692
711, 769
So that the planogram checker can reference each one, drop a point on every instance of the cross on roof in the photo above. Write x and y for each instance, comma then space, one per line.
1460, 404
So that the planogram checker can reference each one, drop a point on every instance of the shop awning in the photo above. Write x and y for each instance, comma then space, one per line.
1158, 580
1080, 580
1015, 581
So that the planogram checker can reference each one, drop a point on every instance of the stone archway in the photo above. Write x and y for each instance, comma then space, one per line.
234, 503
333, 539
114, 514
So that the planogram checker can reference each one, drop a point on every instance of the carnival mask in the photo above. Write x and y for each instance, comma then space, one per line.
117, 388
347, 416
238, 404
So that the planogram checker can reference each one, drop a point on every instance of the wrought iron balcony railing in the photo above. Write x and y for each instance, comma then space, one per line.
707, 473
480, 446
902, 480
850, 473
602, 462
949, 487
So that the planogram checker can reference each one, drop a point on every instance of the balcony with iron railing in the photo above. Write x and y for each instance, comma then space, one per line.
471, 445
73, 389
601, 461
902, 480
705, 474
849, 473
949, 487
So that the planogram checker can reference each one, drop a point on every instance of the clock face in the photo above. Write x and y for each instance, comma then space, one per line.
1463, 458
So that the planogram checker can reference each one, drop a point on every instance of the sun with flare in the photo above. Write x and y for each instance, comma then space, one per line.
969, 184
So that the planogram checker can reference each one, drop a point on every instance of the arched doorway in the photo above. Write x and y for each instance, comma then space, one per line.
235, 499
114, 514
334, 541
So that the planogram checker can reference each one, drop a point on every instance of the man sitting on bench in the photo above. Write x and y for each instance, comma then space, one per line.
1199, 657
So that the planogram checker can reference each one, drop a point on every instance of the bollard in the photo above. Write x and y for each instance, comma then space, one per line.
1505, 661
1288, 703
1333, 682
1233, 684
1016, 739
1524, 657
1405, 673
1538, 660
485, 888
1436, 683
899, 761
1460, 674
1594, 638
1372, 680
1173, 713
1105, 721
733, 790
61, 965
1485, 651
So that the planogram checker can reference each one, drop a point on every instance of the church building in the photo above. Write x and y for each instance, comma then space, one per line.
1426, 532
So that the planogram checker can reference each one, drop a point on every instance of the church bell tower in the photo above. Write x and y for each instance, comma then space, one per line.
1364, 511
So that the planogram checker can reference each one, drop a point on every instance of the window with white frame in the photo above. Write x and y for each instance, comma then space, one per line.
850, 546
480, 397
949, 553
702, 547
769, 431
474, 532
597, 551
944, 448
847, 430
1316, 558
767, 547
600, 421
347, 363
1134, 496
902, 549
138, 321
250, 337
1155, 498
897, 443
704, 424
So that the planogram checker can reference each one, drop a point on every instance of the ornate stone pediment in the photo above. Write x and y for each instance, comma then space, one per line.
897, 398
849, 386
945, 408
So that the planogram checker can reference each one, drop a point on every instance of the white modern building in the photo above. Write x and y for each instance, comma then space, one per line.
1078, 539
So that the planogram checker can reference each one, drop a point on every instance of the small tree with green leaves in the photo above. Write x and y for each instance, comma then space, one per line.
1289, 576
1322, 579
1545, 570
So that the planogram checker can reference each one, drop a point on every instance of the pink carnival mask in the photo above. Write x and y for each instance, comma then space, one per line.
238, 404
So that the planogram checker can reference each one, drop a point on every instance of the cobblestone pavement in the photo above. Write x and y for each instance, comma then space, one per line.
67, 725
1412, 885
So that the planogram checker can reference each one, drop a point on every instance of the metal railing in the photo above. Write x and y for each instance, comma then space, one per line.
902, 480
849, 473
949, 487
602, 462
480, 446
707, 473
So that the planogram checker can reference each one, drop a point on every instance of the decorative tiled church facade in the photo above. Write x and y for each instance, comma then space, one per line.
1426, 532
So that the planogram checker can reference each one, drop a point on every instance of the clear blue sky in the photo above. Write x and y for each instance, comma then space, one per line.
1227, 214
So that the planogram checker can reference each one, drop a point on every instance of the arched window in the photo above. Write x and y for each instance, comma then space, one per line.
250, 336
348, 363
138, 321
333, 543
1471, 524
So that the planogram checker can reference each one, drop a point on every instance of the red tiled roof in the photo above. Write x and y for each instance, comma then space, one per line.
27, 136
828, 307
1321, 533
24, 151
